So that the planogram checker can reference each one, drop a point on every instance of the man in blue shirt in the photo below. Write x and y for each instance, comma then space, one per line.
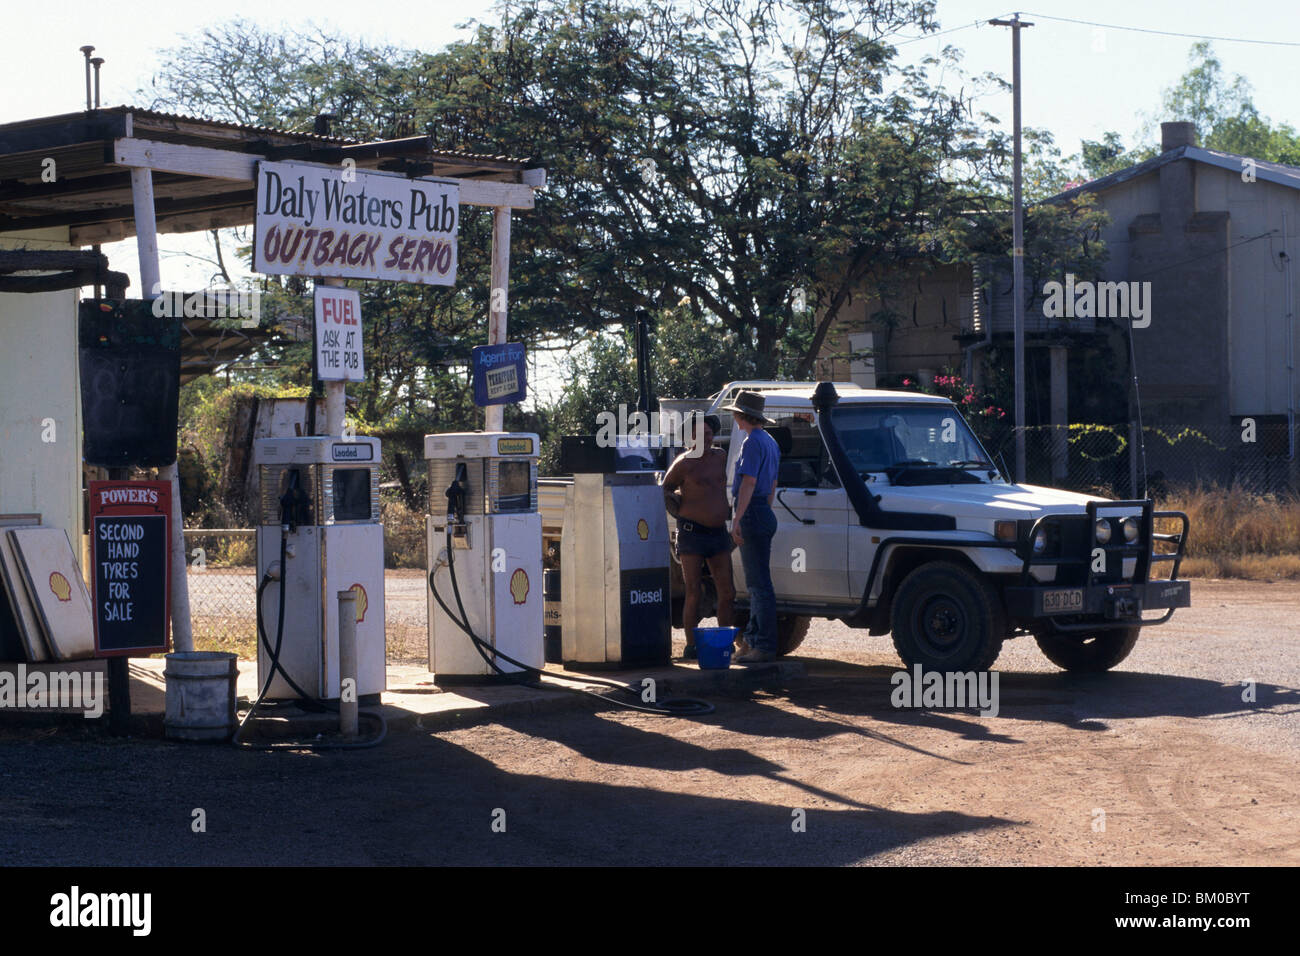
753, 488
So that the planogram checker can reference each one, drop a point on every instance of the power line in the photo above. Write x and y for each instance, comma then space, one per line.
1165, 33
927, 36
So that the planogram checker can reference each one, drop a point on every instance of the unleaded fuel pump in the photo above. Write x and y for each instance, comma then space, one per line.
325, 491
485, 531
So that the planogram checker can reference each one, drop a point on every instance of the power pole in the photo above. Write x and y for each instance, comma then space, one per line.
1017, 240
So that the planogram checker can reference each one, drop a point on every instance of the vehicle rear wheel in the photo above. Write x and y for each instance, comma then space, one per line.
791, 629
946, 618
1088, 651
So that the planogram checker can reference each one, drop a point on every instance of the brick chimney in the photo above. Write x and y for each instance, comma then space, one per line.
1173, 135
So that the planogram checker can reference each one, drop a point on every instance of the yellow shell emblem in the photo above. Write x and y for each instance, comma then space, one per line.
363, 602
519, 585
60, 586
642, 529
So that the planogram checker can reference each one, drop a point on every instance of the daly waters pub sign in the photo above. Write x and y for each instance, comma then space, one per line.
339, 221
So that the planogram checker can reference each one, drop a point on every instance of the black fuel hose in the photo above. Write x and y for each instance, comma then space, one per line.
531, 676
311, 703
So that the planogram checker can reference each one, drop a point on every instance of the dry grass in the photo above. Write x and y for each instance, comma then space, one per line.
1237, 534
404, 535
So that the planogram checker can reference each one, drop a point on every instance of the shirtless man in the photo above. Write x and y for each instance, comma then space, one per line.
695, 494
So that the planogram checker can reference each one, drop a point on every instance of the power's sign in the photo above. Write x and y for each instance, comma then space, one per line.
316, 220
130, 530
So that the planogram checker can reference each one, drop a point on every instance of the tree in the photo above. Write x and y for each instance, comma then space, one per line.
741, 154
1224, 112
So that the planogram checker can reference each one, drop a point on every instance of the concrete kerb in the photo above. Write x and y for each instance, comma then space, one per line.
414, 702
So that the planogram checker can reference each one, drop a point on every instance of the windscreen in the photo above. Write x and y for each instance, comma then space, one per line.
879, 437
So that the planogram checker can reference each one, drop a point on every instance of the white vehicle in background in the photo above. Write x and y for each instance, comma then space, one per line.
893, 518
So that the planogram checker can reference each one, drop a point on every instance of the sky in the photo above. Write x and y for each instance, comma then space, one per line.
1078, 80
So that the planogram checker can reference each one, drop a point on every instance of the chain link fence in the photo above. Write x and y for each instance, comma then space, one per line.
222, 575
1121, 461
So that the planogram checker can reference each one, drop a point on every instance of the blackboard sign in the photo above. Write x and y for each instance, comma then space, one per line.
130, 364
130, 534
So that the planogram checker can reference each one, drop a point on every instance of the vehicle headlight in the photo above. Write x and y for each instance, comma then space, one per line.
1130, 529
1040, 541
1103, 530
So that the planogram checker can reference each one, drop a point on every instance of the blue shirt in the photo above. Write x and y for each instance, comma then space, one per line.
759, 457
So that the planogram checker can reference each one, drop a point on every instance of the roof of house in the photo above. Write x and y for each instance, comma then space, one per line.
1277, 173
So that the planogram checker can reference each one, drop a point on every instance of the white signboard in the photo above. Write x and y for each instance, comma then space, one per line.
338, 335
315, 220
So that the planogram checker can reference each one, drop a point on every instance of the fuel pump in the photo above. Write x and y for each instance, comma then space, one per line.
485, 555
319, 533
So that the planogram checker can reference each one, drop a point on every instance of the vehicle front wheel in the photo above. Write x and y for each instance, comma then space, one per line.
946, 618
1088, 651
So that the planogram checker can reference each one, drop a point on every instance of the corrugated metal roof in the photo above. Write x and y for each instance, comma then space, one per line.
1278, 173
139, 113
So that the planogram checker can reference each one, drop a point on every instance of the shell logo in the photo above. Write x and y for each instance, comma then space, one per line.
519, 585
642, 529
363, 601
60, 586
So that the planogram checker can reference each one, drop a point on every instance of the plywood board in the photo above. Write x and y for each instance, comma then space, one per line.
30, 631
57, 590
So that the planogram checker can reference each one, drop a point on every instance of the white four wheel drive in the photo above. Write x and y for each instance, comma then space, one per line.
892, 517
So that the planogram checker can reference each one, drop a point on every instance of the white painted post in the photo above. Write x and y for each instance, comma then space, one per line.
494, 415
336, 394
146, 237
348, 694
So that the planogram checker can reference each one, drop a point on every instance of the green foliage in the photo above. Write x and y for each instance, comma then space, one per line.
1224, 112
730, 153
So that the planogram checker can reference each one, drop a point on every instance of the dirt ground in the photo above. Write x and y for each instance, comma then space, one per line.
1160, 762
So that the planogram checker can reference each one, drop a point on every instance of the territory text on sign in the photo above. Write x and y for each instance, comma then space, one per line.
130, 530
339, 355
316, 220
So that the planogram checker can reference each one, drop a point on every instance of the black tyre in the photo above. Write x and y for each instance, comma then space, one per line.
791, 629
1088, 651
946, 618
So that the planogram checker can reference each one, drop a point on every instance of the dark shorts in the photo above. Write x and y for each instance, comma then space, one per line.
695, 538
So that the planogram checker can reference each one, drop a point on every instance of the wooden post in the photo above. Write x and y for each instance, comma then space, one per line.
146, 237
119, 696
494, 415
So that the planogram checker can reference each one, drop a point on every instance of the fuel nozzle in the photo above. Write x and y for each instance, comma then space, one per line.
295, 504
456, 493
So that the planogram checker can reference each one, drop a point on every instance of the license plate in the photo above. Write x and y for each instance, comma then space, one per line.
1063, 601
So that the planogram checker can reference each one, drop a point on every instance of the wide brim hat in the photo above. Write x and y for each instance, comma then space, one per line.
751, 404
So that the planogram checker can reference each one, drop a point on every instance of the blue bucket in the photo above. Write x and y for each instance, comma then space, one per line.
713, 646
